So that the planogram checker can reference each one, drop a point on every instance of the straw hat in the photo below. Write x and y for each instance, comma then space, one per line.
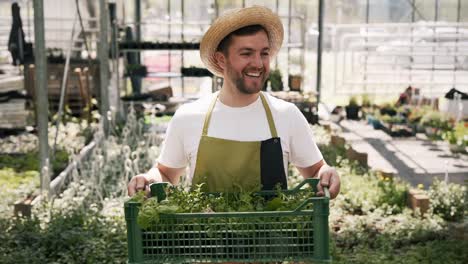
233, 20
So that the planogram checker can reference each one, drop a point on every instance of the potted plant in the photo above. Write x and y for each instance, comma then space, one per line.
388, 109
452, 139
414, 118
352, 109
295, 82
434, 122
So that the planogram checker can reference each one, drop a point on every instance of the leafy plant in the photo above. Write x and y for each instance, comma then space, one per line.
393, 193
353, 101
180, 200
450, 137
388, 109
436, 119
417, 113
276, 80
365, 100
75, 236
30, 161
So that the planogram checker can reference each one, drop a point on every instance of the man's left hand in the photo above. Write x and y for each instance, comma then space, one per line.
328, 178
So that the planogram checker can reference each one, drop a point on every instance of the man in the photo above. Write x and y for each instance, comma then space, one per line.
239, 138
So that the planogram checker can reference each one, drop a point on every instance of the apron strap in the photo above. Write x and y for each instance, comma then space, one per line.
271, 122
208, 116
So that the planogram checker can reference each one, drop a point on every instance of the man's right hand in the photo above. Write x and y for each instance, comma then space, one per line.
159, 173
139, 182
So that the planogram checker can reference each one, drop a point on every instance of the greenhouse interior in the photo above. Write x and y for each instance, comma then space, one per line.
114, 147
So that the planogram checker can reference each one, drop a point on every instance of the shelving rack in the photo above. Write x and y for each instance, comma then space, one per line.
217, 82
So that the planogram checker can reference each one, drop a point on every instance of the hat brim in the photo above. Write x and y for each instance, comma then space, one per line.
234, 20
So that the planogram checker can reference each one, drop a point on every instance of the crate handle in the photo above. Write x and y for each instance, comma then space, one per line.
311, 181
158, 189
309, 200
327, 192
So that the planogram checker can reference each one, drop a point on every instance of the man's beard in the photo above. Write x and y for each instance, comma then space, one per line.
239, 82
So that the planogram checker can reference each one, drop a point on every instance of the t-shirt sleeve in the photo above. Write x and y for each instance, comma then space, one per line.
303, 149
172, 151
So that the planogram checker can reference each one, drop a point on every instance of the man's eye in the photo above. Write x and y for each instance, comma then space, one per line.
245, 54
265, 54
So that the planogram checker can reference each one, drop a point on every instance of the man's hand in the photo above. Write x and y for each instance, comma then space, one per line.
159, 173
328, 178
140, 182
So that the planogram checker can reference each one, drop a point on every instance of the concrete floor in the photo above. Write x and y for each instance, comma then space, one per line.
415, 159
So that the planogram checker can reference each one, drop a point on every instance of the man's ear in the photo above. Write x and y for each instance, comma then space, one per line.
220, 59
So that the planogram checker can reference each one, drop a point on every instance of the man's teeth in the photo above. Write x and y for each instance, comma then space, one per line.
253, 74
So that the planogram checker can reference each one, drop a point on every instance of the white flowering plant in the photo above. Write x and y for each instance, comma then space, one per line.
448, 200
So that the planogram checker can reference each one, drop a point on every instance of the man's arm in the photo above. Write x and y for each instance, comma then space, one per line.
158, 173
327, 175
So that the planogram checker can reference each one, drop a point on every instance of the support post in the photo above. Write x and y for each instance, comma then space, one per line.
319, 50
138, 26
42, 103
104, 64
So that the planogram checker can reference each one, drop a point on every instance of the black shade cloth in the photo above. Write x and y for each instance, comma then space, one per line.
453, 91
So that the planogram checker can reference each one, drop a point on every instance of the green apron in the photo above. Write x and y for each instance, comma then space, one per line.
224, 165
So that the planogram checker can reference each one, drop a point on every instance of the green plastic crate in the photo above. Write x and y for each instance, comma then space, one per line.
299, 235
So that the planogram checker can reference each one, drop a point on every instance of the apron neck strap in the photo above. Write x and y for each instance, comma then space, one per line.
208, 116
271, 122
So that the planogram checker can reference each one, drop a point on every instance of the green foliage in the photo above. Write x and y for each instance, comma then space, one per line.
393, 193
30, 161
450, 137
448, 200
388, 109
458, 136
461, 130
417, 113
365, 100
436, 119
276, 80
20, 162
10, 179
139, 197
196, 201
434, 251
353, 101
78, 236
16, 186
334, 155
67, 116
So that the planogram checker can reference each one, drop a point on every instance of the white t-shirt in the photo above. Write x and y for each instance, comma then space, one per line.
247, 123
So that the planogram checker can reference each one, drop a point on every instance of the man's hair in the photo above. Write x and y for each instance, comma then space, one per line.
244, 31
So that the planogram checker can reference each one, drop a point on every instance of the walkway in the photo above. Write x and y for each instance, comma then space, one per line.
415, 159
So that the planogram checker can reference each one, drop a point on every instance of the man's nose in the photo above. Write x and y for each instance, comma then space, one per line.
257, 61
